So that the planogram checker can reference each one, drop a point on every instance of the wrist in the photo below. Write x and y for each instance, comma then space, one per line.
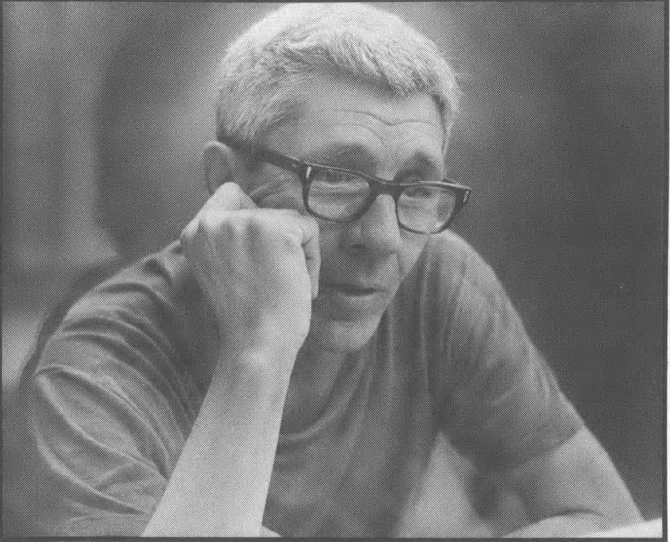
266, 364
264, 335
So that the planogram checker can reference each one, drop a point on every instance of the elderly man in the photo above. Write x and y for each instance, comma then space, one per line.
308, 356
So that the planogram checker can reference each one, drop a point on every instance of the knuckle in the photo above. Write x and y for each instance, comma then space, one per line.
226, 191
186, 234
207, 224
257, 225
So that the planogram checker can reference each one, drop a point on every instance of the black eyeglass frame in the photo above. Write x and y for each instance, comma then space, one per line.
306, 171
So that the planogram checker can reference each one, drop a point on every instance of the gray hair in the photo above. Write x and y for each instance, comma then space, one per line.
262, 77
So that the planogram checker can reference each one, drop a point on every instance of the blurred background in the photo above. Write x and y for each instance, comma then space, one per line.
106, 108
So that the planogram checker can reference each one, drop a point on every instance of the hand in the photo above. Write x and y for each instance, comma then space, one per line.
258, 267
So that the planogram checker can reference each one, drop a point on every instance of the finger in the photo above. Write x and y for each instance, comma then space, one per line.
312, 250
229, 197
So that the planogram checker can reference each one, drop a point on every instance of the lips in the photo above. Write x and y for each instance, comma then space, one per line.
350, 300
353, 289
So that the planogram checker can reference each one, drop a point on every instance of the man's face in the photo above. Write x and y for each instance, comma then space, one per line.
354, 126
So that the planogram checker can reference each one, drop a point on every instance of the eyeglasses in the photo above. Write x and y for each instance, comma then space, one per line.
343, 195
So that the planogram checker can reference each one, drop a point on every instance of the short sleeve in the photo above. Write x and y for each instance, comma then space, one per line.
90, 478
504, 404
105, 420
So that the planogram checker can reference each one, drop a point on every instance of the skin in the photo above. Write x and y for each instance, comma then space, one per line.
372, 251
390, 132
288, 294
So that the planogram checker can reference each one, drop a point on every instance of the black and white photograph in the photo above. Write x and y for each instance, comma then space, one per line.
341, 270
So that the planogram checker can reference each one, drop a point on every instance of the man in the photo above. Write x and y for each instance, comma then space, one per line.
300, 361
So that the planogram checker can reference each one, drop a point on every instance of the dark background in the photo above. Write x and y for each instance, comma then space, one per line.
106, 107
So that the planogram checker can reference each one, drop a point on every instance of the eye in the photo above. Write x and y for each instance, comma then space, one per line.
412, 177
419, 192
333, 177
418, 176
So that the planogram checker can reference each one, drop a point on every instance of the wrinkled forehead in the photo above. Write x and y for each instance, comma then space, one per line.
341, 113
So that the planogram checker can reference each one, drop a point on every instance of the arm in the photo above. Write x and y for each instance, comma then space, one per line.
262, 298
571, 490
508, 414
220, 483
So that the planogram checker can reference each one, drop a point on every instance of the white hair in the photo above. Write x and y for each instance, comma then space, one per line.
262, 77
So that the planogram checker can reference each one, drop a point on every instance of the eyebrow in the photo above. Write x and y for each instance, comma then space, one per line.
343, 154
357, 156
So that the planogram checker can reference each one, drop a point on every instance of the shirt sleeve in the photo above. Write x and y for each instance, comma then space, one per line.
103, 433
504, 405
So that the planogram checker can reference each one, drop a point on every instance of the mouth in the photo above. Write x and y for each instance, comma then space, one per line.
355, 290
352, 301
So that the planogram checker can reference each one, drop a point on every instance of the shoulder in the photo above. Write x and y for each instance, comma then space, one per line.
450, 267
152, 283
449, 295
143, 312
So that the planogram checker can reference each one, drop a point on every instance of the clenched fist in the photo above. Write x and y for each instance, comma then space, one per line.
258, 267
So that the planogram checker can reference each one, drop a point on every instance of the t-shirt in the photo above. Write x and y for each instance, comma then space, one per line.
115, 393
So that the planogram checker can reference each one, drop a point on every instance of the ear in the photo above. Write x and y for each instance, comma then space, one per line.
219, 163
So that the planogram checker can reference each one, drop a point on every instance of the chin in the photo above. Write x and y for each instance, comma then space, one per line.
342, 336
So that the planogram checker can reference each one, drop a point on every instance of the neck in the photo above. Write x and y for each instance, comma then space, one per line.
313, 379
316, 363
312, 383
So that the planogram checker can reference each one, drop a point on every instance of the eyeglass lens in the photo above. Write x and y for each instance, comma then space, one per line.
340, 195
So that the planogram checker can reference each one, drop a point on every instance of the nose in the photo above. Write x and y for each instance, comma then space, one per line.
377, 230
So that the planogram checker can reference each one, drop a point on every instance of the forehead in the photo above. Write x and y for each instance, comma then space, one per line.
340, 112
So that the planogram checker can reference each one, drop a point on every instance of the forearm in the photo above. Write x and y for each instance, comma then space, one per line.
567, 526
572, 490
220, 483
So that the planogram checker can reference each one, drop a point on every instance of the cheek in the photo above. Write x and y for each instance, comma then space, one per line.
330, 241
413, 245
284, 199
